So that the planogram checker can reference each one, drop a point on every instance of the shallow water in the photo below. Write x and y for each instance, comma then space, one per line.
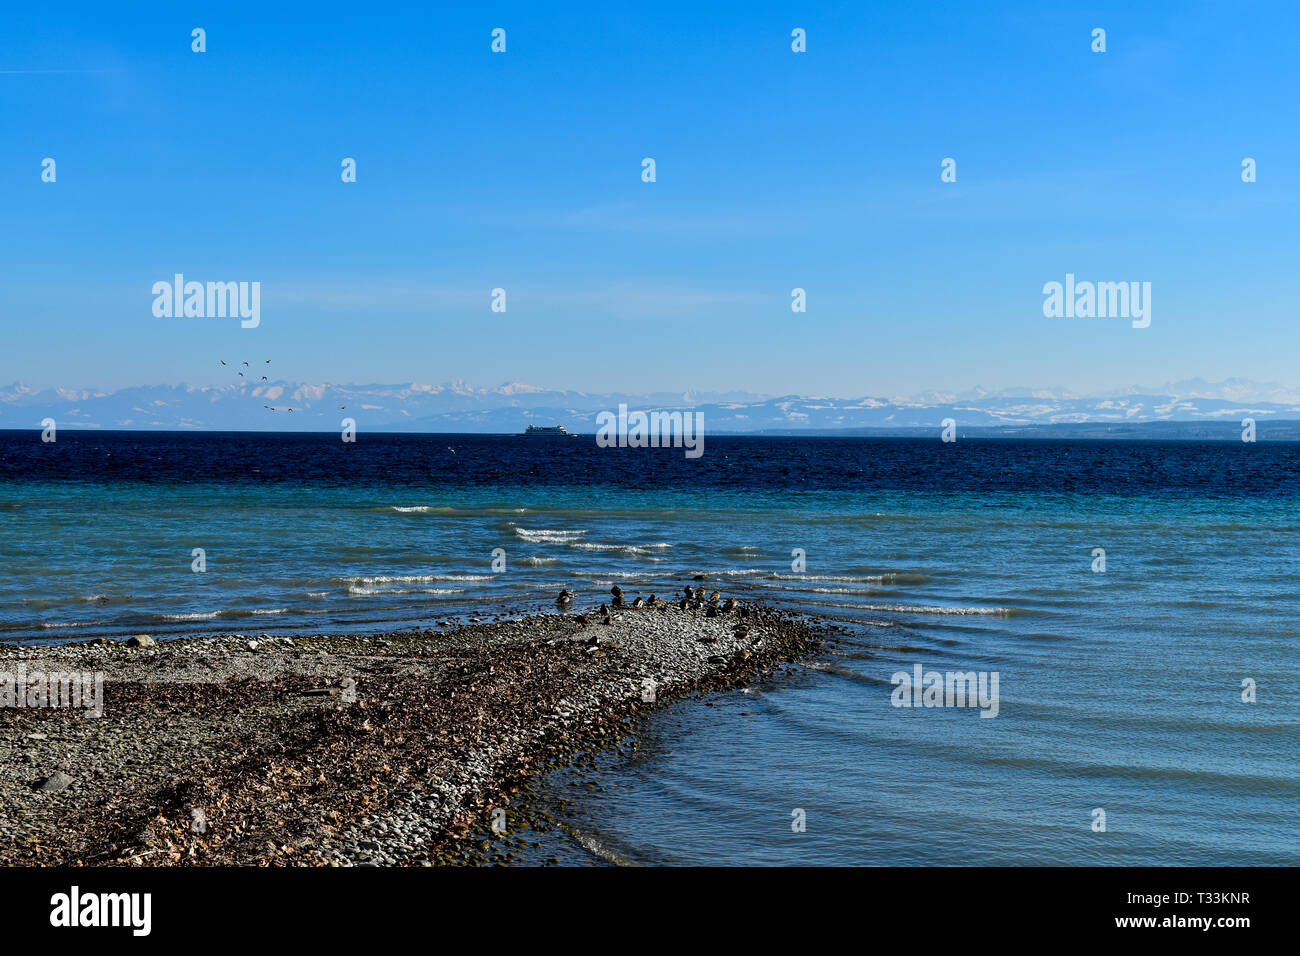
1118, 690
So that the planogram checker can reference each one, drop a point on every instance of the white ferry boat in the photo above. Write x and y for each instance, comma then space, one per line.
547, 431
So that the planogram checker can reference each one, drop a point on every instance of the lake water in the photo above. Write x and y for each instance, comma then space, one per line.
1118, 690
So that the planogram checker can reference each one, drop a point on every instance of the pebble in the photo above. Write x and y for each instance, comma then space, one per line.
55, 782
588, 698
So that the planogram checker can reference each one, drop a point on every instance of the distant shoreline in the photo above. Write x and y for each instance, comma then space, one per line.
1231, 431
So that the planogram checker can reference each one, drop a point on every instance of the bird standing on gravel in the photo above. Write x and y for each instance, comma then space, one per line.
714, 597
639, 602
618, 595
652, 601
564, 600
729, 605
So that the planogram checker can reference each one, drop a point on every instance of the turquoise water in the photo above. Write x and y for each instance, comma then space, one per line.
1119, 691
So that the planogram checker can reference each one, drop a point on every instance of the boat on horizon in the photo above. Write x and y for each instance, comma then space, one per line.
547, 431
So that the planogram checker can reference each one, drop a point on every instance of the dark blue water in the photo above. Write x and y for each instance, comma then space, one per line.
1119, 690
765, 464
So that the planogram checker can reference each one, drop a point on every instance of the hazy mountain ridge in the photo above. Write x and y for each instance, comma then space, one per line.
510, 407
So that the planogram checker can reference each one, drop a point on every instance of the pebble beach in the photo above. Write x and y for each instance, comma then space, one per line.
395, 749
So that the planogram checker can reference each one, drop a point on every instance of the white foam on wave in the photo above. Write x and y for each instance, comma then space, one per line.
358, 591
192, 616
598, 849
629, 549
549, 535
270, 610
831, 590
412, 578
836, 578
936, 609
452, 510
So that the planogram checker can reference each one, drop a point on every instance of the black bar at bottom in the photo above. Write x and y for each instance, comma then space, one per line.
334, 906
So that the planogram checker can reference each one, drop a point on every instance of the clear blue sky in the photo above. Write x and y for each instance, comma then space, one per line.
775, 170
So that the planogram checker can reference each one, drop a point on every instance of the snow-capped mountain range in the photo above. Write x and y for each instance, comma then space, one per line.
508, 408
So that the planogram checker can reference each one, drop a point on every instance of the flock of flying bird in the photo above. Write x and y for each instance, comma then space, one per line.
692, 599
264, 379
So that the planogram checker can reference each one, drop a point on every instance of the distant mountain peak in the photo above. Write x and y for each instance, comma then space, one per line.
459, 406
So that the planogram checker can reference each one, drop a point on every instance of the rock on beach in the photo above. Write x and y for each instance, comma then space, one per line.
343, 750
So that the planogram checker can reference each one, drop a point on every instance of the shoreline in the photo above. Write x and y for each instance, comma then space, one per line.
315, 750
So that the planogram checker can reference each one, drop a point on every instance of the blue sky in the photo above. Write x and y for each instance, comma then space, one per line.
522, 170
